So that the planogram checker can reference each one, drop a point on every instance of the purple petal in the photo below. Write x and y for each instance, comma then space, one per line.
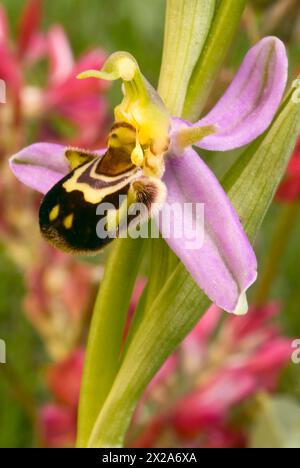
225, 265
251, 101
40, 166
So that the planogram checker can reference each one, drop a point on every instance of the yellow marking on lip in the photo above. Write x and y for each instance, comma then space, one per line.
54, 213
77, 157
94, 195
68, 221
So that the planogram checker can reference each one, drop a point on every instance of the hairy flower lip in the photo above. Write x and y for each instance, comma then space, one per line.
226, 265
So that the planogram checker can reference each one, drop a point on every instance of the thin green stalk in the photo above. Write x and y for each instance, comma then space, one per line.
186, 28
106, 332
152, 343
287, 219
163, 263
213, 55
159, 269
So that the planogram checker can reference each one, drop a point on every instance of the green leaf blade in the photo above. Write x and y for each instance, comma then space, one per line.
106, 332
250, 185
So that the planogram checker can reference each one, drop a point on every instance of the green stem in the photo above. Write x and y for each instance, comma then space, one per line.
186, 28
106, 332
220, 37
287, 219
152, 343
163, 263
159, 269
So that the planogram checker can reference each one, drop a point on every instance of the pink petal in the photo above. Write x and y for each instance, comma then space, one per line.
60, 53
241, 328
70, 90
10, 71
225, 265
29, 24
206, 326
64, 378
4, 28
209, 405
251, 101
57, 425
40, 166
89, 115
37, 49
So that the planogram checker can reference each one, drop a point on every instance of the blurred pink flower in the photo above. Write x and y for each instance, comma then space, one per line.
30, 45
289, 189
59, 291
63, 379
57, 426
64, 109
57, 421
219, 366
81, 104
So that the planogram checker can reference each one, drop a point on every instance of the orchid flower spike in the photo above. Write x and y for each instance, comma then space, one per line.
149, 159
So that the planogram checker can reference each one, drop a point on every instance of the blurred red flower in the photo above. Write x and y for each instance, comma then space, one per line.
63, 379
219, 367
58, 420
82, 104
223, 363
59, 291
289, 189
63, 108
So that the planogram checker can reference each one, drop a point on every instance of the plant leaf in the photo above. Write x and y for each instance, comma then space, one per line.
219, 40
250, 184
186, 29
106, 332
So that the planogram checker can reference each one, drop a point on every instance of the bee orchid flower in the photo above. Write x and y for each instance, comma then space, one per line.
150, 159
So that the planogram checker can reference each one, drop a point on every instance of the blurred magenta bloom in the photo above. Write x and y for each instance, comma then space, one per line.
30, 45
63, 379
57, 421
57, 426
224, 265
82, 105
289, 189
219, 366
58, 296
63, 110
